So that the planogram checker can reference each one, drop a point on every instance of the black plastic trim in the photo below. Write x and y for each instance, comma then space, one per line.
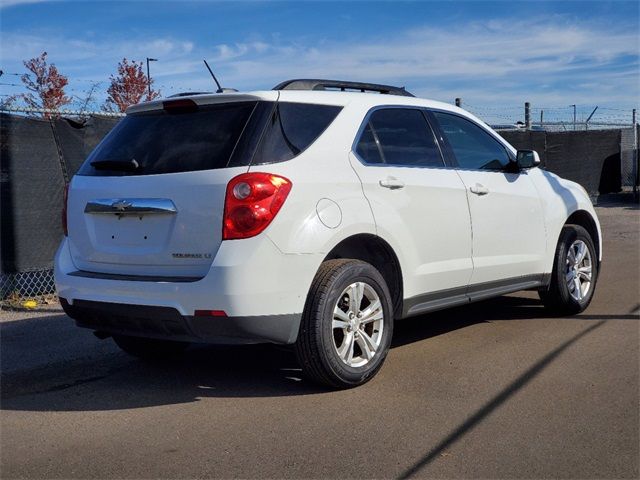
472, 293
167, 323
133, 278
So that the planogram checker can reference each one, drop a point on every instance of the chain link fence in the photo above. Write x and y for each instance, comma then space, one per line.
629, 158
27, 290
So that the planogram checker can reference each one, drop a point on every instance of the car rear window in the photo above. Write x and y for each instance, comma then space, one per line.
211, 137
163, 142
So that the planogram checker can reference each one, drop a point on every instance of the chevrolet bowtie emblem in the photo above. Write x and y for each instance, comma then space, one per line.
121, 205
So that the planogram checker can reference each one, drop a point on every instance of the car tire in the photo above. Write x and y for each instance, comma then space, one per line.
575, 257
149, 348
347, 324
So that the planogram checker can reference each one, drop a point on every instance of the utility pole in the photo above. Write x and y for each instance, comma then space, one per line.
148, 74
527, 115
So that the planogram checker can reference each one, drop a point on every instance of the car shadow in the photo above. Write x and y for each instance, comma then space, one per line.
111, 380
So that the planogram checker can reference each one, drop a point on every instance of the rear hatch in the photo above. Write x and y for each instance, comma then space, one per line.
149, 200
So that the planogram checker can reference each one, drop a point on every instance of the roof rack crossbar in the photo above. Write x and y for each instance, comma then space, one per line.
319, 84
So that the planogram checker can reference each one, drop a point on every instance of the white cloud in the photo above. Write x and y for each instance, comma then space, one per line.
543, 60
500, 61
74, 53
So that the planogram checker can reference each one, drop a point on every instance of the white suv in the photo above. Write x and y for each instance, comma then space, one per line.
313, 214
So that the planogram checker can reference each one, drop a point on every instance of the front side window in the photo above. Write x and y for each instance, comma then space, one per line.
472, 146
399, 136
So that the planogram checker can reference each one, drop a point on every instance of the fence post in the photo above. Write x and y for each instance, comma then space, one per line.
541, 118
636, 157
458, 102
527, 115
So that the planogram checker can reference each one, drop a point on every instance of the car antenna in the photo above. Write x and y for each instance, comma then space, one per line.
214, 77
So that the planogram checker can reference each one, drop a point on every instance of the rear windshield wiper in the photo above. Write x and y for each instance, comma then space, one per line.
119, 165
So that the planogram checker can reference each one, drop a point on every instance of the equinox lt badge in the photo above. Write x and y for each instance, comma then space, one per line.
191, 255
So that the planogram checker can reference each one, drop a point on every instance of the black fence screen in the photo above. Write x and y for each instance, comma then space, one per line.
590, 158
38, 158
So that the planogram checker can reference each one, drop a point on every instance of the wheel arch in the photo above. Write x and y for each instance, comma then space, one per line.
377, 252
588, 222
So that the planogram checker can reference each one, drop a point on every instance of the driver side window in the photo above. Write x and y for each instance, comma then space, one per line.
473, 147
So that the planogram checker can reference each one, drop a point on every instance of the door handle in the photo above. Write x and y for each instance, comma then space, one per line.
479, 189
392, 182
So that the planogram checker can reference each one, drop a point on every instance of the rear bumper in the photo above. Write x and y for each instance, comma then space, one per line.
167, 323
261, 290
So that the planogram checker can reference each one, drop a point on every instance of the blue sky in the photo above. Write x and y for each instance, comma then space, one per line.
495, 55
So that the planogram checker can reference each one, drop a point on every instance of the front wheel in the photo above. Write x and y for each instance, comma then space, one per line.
574, 275
347, 324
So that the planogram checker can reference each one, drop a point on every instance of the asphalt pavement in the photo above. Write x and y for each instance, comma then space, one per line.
498, 389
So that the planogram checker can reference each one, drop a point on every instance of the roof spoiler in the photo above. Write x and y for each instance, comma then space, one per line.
318, 84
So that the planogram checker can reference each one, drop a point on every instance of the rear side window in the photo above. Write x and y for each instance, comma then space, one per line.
368, 147
402, 137
162, 142
291, 129
473, 147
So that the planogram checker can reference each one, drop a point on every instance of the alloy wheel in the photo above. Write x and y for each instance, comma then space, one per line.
579, 270
357, 324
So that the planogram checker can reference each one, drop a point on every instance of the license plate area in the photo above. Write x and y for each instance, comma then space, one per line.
133, 233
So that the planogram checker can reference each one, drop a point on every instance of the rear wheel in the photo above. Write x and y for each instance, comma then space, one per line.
149, 348
347, 324
574, 275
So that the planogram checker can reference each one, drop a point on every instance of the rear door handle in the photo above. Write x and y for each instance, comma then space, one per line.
392, 182
479, 189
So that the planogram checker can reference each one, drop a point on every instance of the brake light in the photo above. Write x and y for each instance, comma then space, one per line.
183, 105
209, 313
251, 203
65, 196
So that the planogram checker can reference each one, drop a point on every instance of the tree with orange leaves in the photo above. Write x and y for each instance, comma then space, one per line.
129, 86
45, 83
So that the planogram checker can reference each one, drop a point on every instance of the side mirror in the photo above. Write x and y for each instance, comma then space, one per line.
527, 159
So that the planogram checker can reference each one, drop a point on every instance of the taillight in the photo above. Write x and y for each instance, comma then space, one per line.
65, 196
251, 203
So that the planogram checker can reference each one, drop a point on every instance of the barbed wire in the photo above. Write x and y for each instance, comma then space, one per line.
50, 111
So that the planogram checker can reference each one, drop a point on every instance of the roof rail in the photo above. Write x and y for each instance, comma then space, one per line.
318, 84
